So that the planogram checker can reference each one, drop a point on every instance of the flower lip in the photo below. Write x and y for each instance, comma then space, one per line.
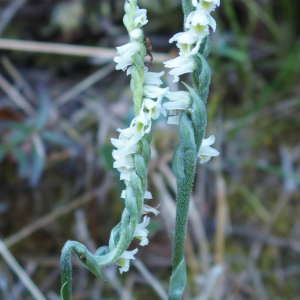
124, 260
206, 152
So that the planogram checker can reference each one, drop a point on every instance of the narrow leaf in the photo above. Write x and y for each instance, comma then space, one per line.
178, 282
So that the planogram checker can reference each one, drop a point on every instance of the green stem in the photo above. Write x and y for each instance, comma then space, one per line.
187, 7
184, 188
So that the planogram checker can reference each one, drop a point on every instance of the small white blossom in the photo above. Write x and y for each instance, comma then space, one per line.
206, 5
180, 65
147, 195
198, 20
153, 78
140, 17
141, 232
153, 91
126, 52
178, 100
173, 120
154, 108
206, 152
136, 33
148, 209
124, 260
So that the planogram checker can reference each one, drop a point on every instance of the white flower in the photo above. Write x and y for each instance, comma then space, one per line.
140, 17
136, 33
141, 124
173, 120
180, 65
198, 20
178, 100
141, 232
124, 260
126, 161
153, 91
188, 42
148, 209
206, 152
153, 78
126, 52
206, 5
154, 108
147, 195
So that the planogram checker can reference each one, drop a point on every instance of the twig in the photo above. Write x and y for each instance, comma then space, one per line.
26, 231
9, 13
15, 74
14, 265
84, 84
15, 96
106, 54
150, 279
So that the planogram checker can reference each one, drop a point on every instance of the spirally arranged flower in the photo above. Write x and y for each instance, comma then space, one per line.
197, 24
147, 86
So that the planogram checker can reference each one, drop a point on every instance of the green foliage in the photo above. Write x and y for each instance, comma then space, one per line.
34, 134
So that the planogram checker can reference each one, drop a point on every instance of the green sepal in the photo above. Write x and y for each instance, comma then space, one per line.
138, 61
199, 116
127, 23
136, 84
148, 137
136, 183
140, 166
129, 9
178, 163
130, 200
186, 132
205, 46
177, 282
145, 151
113, 239
202, 76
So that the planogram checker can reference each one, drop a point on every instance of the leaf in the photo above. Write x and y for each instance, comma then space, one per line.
202, 76
146, 151
23, 162
44, 109
38, 160
178, 282
18, 137
186, 132
205, 46
140, 165
62, 291
178, 163
199, 116
59, 139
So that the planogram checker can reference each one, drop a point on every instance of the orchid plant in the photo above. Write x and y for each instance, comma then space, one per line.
132, 153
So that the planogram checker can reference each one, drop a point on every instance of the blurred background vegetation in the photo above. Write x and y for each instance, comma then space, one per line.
57, 113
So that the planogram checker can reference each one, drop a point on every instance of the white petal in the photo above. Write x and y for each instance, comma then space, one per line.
136, 33
180, 104
209, 141
208, 151
124, 260
178, 95
148, 195
148, 209
173, 120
